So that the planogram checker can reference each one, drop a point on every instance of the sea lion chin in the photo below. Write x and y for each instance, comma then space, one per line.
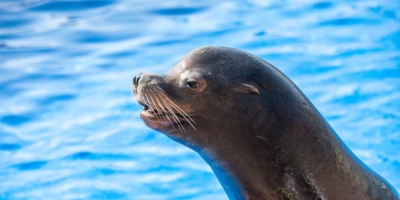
259, 133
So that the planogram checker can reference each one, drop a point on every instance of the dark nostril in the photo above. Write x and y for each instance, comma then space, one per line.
136, 80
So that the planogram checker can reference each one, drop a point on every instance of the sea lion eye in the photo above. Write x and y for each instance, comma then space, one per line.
192, 84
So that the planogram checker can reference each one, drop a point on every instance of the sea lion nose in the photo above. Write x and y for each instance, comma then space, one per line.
136, 79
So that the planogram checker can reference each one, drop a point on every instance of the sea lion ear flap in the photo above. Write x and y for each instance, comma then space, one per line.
246, 88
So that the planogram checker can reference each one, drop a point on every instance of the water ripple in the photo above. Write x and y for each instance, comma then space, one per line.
178, 11
67, 6
34, 165
69, 126
96, 156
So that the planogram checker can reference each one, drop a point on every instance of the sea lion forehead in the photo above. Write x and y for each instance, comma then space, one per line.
209, 56
229, 62
200, 58
212, 60
222, 57
183, 68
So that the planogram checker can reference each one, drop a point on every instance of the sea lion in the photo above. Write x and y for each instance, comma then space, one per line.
259, 133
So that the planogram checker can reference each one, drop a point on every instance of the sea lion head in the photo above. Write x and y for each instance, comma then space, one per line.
212, 96
223, 103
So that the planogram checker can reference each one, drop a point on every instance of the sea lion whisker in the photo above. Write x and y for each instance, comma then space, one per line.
152, 106
163, 109
170, 114
187, 117
159, 106
184, 115
133, 91
155, 107
177, 107
173, 115
136, 101
142, 97
176, 119
147, 101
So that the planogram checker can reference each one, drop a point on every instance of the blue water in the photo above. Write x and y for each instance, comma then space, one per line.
69, 126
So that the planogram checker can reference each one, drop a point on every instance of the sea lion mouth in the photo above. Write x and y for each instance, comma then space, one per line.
160, 112
145, 107
157, 117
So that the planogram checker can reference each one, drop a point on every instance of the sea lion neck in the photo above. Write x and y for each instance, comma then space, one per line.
276, 156
305, 159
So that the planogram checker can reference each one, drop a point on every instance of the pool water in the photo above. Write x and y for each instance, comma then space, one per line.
69, 125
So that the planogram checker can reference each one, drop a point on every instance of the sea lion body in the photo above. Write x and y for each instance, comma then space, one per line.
259, 133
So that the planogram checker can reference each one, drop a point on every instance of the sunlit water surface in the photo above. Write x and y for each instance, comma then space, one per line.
69, 126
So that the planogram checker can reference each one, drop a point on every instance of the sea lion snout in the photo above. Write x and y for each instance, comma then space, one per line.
146, 78
144, 81
160, 111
